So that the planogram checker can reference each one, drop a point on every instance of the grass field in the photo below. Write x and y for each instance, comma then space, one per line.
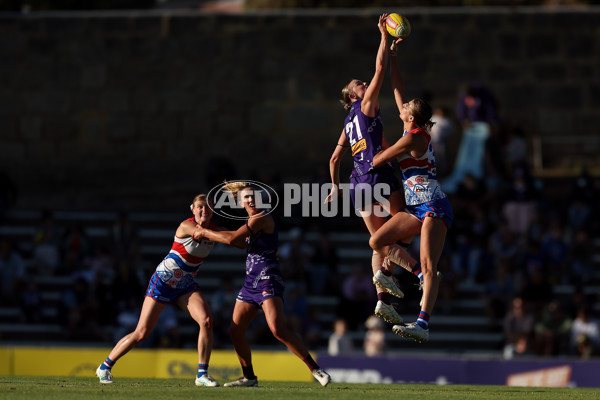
66, 388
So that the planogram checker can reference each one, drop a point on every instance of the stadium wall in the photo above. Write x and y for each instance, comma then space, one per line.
101, 109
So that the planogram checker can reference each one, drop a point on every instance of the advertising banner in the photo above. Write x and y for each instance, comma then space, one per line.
140, 363
463, 371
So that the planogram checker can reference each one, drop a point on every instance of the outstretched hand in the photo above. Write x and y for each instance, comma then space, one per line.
381, 24
395, 43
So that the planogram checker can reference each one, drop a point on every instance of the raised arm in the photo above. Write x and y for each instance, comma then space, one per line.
370, 102
334, 165
409, 143
396, 77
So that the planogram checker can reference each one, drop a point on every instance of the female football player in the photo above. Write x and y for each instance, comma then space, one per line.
263, 287
428, 211
363, 134
173, 283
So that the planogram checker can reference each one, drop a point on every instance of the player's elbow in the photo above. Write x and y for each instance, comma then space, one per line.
239, 243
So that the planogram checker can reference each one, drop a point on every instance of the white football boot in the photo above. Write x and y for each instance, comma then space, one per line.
413, 331
388, 283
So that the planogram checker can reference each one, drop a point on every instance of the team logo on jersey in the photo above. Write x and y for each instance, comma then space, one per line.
359, 146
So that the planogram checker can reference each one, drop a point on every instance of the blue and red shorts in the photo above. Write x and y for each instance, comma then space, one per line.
440, 208
163, 293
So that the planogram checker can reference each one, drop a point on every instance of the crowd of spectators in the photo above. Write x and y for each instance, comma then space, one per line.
515, 237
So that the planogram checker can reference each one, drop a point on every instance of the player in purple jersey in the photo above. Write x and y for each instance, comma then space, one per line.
263, 287
363, 134
428, 211
173, 283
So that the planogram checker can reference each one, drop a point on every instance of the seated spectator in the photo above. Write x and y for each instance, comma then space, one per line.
12, 271
340, 343
46, 246
518, 329
551, 332
499, 291
124, 237
443, 127
374, 343
579, 259
294, 256
78, 312
585, 334
554, 252
536, 291
520, 203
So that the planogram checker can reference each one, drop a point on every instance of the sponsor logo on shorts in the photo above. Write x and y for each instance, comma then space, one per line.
266, 293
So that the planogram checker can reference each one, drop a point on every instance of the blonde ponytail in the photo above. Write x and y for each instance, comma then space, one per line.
234, 187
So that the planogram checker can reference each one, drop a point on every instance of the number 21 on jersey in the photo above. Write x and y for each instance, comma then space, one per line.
357, 143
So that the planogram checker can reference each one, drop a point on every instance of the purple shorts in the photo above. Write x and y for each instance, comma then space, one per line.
372, 188
163, 293
265, 290
440, 208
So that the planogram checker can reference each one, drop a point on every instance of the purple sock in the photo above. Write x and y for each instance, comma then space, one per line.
385, 272
310, 363
384, 297
248, 372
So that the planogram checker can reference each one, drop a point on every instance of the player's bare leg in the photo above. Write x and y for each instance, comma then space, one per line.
273, 309
198, 309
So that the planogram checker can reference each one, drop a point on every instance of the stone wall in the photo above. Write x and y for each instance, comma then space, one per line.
145, 109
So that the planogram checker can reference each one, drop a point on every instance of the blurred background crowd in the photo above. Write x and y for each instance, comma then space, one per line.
526, 243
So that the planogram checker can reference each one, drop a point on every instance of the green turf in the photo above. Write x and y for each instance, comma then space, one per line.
66, 388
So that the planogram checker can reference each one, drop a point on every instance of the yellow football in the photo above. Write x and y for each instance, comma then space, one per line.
397, 25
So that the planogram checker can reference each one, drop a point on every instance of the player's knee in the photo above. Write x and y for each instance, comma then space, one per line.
280, 332
374, 243
235, 331
141, 334
205, 322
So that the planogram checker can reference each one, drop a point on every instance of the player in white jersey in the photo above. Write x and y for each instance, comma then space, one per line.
173, 283
428, 211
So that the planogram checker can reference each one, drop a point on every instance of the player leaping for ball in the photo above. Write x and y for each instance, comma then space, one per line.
428, 210
173, 283
263, 287
363, 134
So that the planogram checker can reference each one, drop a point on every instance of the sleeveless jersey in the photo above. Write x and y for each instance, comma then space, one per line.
181, 265
262, 261
419, 175
365, 135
